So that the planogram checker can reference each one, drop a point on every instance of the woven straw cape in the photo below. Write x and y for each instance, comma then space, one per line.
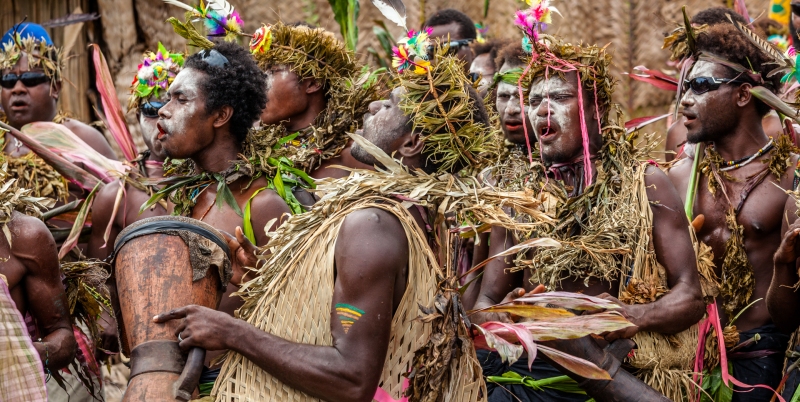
278, 300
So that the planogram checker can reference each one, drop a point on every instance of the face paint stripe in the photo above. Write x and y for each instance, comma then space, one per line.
348, 315
349, 307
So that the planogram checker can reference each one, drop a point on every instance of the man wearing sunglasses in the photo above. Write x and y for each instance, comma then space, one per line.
30, 91
456, 29
741, 193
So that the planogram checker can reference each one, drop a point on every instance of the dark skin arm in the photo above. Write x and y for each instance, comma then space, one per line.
102, 210
683, 305
497, 284
33, 245
371, 254
92, 137
783, 301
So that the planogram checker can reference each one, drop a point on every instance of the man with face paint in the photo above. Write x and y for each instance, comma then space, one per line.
570, 162
310, 91
741, 193
456, 27
148, 95
359, 331
211, 104
30, 90
513, 120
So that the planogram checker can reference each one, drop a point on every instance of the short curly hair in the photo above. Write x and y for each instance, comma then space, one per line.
466, 27
724, 40
717, 15
240, 84
513, 54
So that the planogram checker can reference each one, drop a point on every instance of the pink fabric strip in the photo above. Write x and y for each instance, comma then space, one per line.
383, 396
522, 107
713, 314
587, 160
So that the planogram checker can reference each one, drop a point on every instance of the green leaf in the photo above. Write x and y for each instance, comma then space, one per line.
345, 12
284, 140
75, 233
225, 195
278, 180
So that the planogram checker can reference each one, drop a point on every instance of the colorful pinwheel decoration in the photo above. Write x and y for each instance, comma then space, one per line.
535, 19
411, 53
792, 72
157, 71
262, 40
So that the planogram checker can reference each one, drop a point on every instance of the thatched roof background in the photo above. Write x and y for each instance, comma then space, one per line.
633, 29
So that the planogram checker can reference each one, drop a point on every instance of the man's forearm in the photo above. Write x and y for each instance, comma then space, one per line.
319, 371
783, 301
57, 349
678, 310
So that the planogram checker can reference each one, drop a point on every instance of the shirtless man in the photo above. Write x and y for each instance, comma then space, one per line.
300, 90
34, 281
721, 112
212, 103
371, 286
554, 111
30, 94
150, 165
513, 121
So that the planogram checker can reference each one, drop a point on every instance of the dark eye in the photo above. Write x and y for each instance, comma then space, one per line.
535, 101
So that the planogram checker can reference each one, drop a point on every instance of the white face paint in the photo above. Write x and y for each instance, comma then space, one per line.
554, 112
182, 117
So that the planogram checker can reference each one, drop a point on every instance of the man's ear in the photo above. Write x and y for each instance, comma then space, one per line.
222, 116
743, 95
312, 85
55, 90
411, 145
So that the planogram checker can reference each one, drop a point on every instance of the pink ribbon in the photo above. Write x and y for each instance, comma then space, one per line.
713, 320
383, 396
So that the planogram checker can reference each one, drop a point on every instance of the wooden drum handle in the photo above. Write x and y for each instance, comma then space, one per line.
190, 377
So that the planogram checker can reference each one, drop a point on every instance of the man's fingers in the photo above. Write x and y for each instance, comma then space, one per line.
247, 246
539, 289
171, 315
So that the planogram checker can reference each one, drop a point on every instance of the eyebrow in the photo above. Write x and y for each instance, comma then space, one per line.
554, 93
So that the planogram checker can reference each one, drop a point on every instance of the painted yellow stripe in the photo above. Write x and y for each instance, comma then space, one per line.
350, 315
347, 310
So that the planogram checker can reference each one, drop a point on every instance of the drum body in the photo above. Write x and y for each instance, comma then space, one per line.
154, 274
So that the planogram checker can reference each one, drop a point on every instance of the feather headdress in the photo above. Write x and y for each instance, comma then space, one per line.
154, 75
218, 17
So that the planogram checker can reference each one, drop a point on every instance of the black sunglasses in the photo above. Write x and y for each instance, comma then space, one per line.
452, 47
150, 109
214, 58
795, 8
29, 79
701, 85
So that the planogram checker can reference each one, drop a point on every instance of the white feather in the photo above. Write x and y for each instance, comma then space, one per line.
222, 7
393, 12
180, 4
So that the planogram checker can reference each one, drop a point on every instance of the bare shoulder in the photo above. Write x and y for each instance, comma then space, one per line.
31, 240
268, 202
661, 189
374, 231
91, 136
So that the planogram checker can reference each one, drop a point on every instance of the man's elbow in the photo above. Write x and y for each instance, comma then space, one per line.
358, 388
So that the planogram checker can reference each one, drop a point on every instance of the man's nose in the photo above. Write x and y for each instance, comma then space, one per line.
374, 107
687, 99
19, 88
513, 107
543, 109
163, 112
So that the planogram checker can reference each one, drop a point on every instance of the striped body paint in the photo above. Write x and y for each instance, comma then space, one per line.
348, 315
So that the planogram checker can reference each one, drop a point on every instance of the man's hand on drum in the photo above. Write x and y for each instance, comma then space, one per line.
200, 327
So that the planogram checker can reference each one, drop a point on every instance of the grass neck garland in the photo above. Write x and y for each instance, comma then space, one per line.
738, 281
264, 155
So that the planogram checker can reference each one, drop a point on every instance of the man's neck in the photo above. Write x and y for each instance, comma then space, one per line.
307, 117
217, 157
746, 140
154, 166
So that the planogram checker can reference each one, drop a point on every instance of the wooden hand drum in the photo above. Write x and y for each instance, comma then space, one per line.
160, 264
